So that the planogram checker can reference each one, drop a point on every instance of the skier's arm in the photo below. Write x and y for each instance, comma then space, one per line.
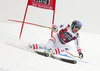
79, 50
77, 44
55, 27
60, 26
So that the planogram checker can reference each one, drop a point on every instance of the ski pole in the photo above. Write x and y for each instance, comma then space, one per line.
72, 55
30, 23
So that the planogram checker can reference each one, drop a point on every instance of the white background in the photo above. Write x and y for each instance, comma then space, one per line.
87, 11
13, 59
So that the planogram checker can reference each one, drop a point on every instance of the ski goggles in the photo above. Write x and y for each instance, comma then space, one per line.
77, 27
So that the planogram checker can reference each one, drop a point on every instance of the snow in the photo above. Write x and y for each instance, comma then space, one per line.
14, 59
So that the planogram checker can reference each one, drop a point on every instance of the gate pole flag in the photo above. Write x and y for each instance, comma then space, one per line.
44, 4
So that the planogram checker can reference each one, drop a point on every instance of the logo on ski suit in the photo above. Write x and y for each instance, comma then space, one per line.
65, 36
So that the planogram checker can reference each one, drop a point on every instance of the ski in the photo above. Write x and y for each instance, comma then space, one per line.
19, 45
58, 58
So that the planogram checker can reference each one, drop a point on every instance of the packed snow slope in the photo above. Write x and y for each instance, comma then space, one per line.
14, 59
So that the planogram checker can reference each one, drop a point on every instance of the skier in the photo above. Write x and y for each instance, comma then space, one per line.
58, 42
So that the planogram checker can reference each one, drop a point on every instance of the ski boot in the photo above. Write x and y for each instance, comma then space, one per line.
29, 47
49, 53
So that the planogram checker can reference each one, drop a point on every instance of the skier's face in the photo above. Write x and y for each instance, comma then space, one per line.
74, 30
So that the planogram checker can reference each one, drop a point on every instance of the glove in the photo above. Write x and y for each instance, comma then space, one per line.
80, 55
54, 29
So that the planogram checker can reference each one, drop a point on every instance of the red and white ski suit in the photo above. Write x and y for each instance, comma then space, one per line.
59, 41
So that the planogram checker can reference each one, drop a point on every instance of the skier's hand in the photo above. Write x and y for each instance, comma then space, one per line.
80, 55
54, 29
